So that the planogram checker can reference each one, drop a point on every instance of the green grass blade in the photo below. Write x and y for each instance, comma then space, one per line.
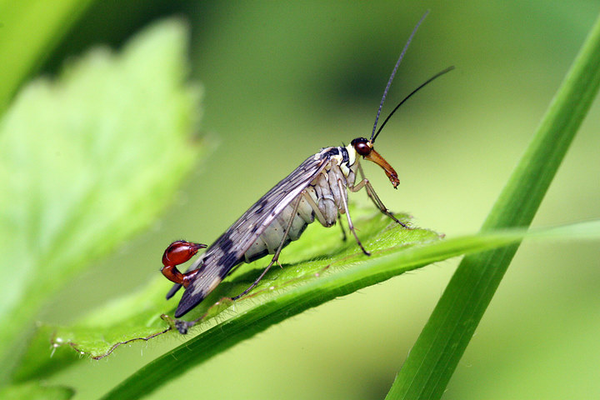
440, 346
29, 30
338, 280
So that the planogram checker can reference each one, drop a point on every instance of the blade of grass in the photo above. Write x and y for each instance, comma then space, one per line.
440, 346
29, 31
281, 305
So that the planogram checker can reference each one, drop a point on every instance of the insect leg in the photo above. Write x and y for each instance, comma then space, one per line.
342, 227
350, 224
373, 196
276, 256
318, 214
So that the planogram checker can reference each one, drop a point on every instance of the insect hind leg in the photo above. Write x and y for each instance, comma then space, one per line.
276, 255
253, 285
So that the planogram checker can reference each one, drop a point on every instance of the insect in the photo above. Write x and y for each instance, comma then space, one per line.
317, 189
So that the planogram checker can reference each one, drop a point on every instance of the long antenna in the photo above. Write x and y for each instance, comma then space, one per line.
409, 96
385, 92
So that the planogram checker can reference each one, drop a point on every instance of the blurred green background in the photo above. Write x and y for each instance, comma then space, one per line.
282, 80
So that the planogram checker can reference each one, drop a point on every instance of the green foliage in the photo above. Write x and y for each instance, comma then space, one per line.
30, 29
137, 317
309, 284
450, 328
86, 161
91, 158
34, 390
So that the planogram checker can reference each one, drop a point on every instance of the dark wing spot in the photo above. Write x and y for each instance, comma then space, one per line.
261, 206
226, 245
227, 261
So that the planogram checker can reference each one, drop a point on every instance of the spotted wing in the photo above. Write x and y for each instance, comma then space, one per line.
229, 249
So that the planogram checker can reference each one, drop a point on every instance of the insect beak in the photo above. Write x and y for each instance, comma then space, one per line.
389, 171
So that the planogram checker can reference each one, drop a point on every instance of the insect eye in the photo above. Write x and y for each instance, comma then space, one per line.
361, 145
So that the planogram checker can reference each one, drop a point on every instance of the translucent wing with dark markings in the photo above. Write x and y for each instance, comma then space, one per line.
229, 249
260, 230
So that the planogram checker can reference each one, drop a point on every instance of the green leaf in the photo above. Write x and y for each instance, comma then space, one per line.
433, 359
137, 317
86, 161
337, 275
30, 30
36, 391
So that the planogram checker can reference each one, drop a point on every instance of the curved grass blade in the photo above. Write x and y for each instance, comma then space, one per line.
433, 359
330, 284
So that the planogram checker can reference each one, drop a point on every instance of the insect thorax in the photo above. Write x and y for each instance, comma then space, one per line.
321, 200
343, 157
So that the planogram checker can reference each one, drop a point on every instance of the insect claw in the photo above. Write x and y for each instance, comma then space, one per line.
363, 249
183, 326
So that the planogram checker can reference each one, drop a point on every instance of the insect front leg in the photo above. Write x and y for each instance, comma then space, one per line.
350, 224
276, 255
365, 183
